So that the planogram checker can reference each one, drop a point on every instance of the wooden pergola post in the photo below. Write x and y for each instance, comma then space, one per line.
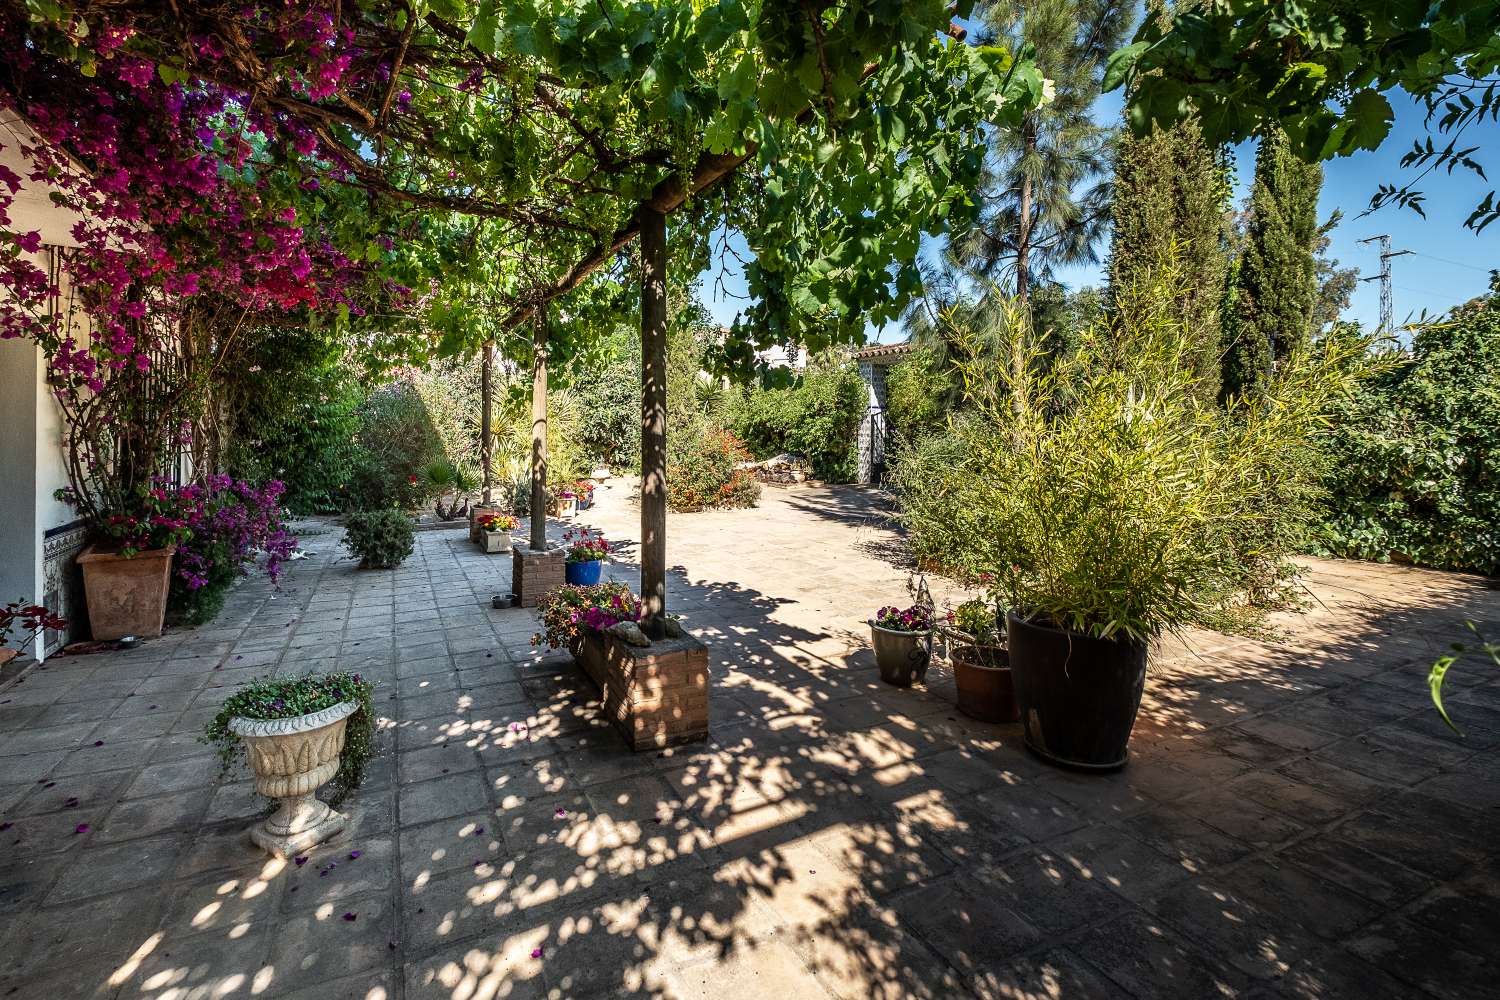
539, 433
653, 421
486, 419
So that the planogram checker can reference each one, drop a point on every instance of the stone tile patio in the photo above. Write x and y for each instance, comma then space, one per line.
1295, 821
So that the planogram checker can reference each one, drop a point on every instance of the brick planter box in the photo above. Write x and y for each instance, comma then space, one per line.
535, 574
657, 695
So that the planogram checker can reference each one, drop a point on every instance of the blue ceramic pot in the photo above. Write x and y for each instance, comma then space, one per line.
583, 574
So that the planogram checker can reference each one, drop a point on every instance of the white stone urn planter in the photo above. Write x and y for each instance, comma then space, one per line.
292, 759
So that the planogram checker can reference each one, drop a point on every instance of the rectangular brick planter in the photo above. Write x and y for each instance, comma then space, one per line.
657, 695
535, 574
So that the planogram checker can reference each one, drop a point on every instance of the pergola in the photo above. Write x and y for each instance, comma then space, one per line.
553, 131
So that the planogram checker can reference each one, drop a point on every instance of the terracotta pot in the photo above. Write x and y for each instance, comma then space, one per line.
126, 596
901, 656
475, 513
292, 759
985, 689
494, 541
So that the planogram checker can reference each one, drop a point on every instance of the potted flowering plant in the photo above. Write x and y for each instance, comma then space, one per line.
127, 575
570, 613
981, 666
903, 643
299, 733
584, 492
494, 532
567, 502
30, 620
587, 551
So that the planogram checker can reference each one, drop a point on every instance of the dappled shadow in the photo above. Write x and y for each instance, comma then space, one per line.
855, 506
1289, 818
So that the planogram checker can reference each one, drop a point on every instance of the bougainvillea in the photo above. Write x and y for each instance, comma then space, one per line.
174, 194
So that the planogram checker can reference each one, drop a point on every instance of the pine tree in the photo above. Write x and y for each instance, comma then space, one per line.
1278, 280
1045, 192
1171, 195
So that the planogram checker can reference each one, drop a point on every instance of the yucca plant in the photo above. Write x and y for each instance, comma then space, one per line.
1100, 492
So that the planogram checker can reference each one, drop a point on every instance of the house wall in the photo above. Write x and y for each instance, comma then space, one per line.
38, 534
20, 549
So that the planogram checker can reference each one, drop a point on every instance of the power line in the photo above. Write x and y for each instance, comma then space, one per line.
1445, 260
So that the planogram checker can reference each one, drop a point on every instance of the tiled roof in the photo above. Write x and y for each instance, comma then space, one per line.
881, 352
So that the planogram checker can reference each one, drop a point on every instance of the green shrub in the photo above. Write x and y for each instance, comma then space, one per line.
289, 698
1102, 492
1413, 460
609, 392
917, 390
382, 539
817, 417
703, 473
396, 442
291, 415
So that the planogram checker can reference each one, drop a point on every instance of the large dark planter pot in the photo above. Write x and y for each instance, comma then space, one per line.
584, 574
901, 656
985, 688
1078, 695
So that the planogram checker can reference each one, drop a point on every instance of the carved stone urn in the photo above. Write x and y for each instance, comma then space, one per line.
292, 759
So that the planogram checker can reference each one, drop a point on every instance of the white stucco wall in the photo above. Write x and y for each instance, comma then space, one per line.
32, 466
20, 545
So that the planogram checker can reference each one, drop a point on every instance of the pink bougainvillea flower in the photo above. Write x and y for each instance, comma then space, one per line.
536, 953
5, 826
98, 743
354, 855
81, 828
299, 862
351, 917
478, 830
560, 814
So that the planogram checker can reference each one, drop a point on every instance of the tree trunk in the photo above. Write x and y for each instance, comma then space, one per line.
653, 420
486, 419
1023, 226
539, 433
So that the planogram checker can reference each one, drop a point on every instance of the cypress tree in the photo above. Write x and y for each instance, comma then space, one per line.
1171, 193
1278, 282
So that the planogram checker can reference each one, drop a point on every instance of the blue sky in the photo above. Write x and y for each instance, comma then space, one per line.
1448, 264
